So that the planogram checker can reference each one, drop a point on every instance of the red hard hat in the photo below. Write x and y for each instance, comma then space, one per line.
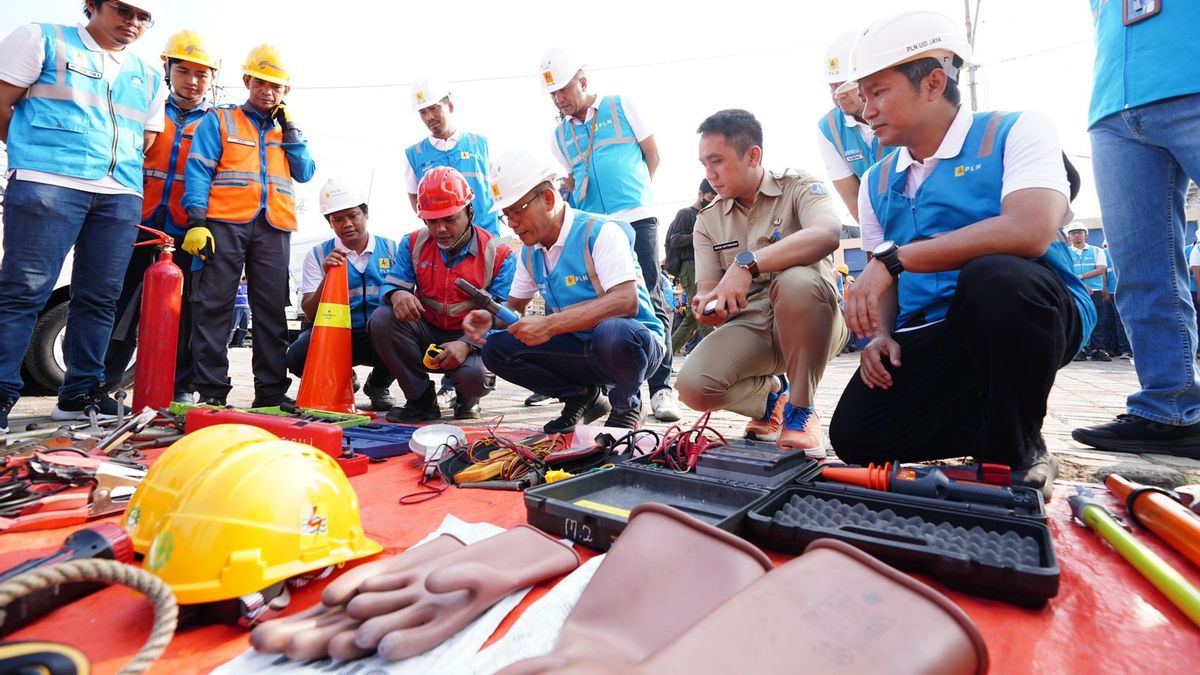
443, 192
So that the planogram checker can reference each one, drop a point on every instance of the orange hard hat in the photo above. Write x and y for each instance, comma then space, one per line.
443, 192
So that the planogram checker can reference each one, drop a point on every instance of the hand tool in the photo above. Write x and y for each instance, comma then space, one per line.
484, 300
1161, 512
125, 430
431, 353
929, 482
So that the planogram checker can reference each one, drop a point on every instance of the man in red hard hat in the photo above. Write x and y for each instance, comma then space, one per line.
422, 306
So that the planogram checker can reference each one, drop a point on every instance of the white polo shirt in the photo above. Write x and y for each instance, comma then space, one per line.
612, 254
314, 271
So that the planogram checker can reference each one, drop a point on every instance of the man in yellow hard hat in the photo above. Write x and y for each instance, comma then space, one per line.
77, 111
241, 208
190, 68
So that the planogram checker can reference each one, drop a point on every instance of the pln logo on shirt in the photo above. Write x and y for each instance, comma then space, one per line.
964, 169
572, 279
385, 263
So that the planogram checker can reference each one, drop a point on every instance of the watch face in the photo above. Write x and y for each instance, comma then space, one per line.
883, 248
744, 258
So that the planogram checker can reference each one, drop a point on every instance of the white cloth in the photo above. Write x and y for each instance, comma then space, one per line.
836, 167
1032, 159
612, 254
641, 131
314, 271
411, 179
1194, 258
21, 59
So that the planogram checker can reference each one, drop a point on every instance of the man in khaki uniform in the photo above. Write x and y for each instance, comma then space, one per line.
774, 230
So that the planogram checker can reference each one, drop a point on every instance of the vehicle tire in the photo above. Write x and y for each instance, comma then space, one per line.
44, 360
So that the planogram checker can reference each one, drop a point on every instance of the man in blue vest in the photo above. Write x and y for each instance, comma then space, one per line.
1091, 266
1145, 136
77, 111
368, 258
599, 331
448, 146
848, 146
610, 156
971, 299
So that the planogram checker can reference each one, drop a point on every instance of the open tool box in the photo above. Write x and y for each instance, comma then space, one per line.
1036, 512
1006, 557
378, 441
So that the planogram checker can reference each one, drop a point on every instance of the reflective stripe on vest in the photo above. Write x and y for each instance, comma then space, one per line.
252, 175
1085, 261
469, 156
161, 186
606, 161
364, 286
442, 303
850, 143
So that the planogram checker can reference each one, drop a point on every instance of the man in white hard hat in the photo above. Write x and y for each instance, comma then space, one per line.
447, 145
610, 155
848, 146
971, 300
776, 230
368, 259
1091, 266
77, 111
599, 330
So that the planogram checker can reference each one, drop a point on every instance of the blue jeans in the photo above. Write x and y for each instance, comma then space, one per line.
41, 223
645, 249
621, 354
1142, 159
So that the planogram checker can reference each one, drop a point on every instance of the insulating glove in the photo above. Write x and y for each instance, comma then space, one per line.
409, 612
199, 242
665, 572
325, 629
283, 116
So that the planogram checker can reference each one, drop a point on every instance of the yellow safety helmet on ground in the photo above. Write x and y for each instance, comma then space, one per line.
171, 472
266, 63
188, 45
264, 514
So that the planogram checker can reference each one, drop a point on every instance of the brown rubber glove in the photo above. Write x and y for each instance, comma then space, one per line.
665, 572
324, 628
412, 611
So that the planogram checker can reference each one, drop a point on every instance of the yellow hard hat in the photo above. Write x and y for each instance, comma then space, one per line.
188, 45
264, 514
171, 473
843, 268
266, 63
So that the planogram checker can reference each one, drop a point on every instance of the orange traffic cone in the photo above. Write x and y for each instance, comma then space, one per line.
325, 384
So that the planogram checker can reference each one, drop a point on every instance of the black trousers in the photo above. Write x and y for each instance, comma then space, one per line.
975, 384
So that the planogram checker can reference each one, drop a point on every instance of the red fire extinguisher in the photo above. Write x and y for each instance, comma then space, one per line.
158, 328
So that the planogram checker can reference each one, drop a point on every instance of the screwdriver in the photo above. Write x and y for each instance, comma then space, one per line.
932, 483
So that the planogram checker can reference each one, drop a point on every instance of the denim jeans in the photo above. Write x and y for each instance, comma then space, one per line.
645, 248
1142, 159
621, 354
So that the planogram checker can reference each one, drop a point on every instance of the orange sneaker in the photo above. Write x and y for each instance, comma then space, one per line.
766, 428
801, 432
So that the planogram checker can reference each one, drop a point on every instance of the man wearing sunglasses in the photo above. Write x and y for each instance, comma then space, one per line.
78, 112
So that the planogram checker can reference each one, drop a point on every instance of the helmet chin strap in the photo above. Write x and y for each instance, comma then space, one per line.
451, 247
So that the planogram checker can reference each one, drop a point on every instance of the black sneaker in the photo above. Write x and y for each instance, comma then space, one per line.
538, 399
271, 400
1101, 355
1038, 474
630, 418
579, 409
467, 408
420, 409
1080, 357
218, 401
1130, 433
5, 406
381, 399
76, 407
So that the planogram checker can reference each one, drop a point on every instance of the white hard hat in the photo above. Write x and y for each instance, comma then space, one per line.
557, 69
337, 195
1076, 226
837, 57
517, 172
906, 37
427, 91
148, 6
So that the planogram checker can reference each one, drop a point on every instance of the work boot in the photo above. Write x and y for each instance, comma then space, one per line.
663, 406
630, 418
467, 408
1101, 355
766, 428
5, 406
421, 409
75, 408
1130, 433
271, 400
1039, 473
584, 408
801, 432
381, 399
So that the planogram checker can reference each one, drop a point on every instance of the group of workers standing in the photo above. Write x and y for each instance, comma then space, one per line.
969, 305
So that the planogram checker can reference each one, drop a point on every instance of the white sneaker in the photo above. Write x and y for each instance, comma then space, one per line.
664, 406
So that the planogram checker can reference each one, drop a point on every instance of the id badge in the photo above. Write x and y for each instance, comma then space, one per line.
1133, 11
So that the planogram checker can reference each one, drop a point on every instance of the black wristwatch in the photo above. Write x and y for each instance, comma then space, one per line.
888, 254
748, 262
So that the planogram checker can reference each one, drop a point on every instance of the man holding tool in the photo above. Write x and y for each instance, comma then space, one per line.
422, 308
971, 299
599, 330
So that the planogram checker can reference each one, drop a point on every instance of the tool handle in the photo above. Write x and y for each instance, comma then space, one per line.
936, 484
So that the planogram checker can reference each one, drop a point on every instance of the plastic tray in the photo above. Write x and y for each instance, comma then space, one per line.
378, 441
1023, 583
593, 509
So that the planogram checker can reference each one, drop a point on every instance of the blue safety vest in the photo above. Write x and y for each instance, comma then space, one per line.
365, 285
1151, 60
574, 280
606, 161
960, 191
470, 157
850, 143
72, 122
1085, 261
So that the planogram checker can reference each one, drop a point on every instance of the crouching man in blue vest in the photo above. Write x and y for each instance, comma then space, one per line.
369, 259
599, 332
971, 299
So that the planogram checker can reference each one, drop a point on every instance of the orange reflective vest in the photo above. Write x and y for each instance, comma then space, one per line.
164, 167
252, 175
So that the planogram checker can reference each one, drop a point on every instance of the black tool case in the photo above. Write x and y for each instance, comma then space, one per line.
1038, 512
1003, 557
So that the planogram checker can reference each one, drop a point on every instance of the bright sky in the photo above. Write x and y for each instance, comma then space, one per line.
353, 60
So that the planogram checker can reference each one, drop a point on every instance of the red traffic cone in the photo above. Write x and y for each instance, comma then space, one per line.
325, 384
